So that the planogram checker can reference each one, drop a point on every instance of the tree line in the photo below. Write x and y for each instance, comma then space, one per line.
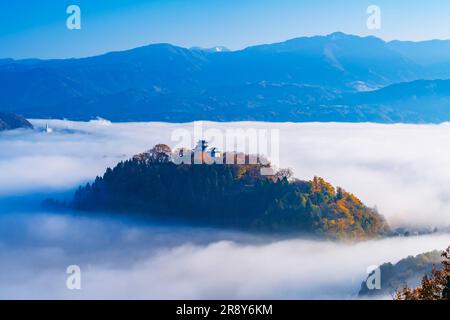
229, 195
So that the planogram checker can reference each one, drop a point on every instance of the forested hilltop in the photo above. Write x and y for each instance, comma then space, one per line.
237, 196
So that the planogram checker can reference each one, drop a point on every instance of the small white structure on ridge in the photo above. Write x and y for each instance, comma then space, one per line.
48, 129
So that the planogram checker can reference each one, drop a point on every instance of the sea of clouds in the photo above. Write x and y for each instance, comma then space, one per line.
402, 169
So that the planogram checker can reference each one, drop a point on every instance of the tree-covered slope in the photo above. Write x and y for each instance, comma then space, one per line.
433, 286
230, 195
406, 272
10, 121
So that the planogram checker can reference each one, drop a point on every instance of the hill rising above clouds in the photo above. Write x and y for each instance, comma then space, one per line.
234, 196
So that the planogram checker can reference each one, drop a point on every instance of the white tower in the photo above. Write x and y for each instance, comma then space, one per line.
48, 129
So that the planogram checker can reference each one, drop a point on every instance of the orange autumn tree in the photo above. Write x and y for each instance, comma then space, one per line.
433, 287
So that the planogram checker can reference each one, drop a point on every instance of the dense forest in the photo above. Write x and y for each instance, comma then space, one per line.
228, 195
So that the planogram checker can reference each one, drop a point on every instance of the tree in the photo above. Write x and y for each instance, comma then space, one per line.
160, 153
446, 265
284, 174
433, 287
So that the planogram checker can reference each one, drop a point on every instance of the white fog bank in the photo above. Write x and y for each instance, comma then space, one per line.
402, 169
130, 260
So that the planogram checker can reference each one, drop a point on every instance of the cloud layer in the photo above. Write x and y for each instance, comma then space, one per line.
128, 259
402, 169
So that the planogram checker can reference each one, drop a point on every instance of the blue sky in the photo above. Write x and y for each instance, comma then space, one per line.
38, 28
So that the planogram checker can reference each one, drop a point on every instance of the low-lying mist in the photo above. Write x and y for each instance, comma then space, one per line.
130, 259
402, 169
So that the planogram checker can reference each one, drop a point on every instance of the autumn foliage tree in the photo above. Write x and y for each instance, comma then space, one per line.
433, 287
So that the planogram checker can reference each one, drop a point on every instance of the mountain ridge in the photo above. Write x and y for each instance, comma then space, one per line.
162, 82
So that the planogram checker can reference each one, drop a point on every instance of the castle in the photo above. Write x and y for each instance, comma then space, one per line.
204, 154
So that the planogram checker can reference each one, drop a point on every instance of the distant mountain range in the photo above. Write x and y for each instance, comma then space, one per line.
337, 77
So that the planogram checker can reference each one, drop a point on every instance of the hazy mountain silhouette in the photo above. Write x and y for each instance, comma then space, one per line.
304, 79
